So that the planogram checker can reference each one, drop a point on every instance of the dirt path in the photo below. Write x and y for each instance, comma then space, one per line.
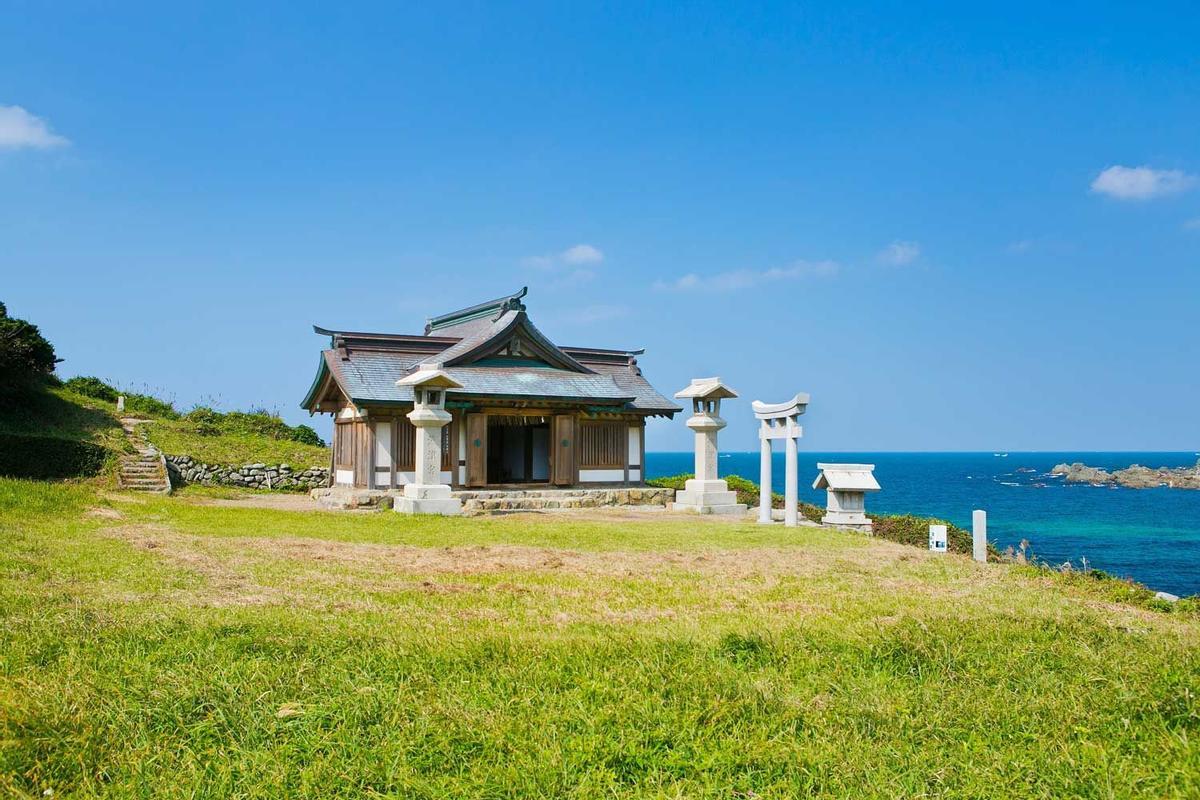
278, 502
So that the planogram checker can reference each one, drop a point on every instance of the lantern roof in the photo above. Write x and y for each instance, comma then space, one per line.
705, 389
430, 375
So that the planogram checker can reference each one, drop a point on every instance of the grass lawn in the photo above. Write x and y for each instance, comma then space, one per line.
184, 646
179, 437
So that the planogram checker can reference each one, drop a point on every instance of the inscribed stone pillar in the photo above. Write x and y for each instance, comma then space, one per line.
427, 494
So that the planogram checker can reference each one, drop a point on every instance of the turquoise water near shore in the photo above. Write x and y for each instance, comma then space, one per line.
1150, 535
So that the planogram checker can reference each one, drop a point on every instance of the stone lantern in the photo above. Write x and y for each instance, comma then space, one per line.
428, 495
845, 488
706, 494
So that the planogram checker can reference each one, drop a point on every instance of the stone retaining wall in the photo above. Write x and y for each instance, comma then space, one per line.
184, 470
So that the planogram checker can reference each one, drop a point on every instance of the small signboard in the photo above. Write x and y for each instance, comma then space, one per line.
937, 538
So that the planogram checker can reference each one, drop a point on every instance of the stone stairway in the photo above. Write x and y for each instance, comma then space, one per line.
513, 501
147, 470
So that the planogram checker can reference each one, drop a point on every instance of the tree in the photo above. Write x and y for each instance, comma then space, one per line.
26, 358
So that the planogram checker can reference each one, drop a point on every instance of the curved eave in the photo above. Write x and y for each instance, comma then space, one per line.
324, 376
318, 382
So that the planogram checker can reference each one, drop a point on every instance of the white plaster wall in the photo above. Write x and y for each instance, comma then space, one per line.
602, 475
344, 476
383, 446
635, 446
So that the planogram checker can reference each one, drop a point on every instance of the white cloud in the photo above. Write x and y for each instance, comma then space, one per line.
574, 256
748, 278
1141, 183
899, 253
582, 254
1192, 224
19, 128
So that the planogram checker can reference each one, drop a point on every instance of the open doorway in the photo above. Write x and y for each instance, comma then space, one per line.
518, 449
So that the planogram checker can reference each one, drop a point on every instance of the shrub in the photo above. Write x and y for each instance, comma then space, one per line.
135, 402
49, 458
93, 387
150, 406
912, 530
306, 435
209, 422
747, 492
26, 358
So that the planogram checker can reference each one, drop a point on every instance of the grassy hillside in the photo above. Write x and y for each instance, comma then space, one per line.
170, 648
61, 413
231, 438
185, 437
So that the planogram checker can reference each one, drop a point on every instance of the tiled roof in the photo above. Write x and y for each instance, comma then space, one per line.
646, 397
367, 366
370, 376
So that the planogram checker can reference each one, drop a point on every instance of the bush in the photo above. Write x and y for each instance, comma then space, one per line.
150, 406
49, 458
747, 492
209, 422
135, 402
911, 530
306, 435
26, 358
91, 387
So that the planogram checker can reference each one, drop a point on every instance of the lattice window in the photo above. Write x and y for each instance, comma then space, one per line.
602, 444
406, 446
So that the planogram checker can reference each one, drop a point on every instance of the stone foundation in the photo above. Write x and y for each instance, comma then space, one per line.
183, 470
504, 501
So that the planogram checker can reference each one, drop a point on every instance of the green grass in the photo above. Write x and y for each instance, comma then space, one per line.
62, 414
180, 437
174, 647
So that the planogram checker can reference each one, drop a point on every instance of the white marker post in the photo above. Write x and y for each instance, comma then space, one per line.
979, 535
120, 403
937, 538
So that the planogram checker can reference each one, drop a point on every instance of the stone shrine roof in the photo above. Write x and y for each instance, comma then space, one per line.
847, 478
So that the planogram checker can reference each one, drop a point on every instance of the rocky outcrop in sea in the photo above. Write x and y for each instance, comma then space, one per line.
1133, 477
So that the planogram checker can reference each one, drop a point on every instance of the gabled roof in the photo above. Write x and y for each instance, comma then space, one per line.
511, 326
847, 477
466, 321
492, 349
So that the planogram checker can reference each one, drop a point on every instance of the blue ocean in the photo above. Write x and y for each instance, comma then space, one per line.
1150, 535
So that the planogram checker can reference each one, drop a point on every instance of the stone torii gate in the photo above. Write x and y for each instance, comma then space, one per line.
779, 421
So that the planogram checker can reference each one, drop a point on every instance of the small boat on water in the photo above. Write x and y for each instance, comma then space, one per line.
1000, 455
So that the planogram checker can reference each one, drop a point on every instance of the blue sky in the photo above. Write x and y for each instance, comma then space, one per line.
955, 227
